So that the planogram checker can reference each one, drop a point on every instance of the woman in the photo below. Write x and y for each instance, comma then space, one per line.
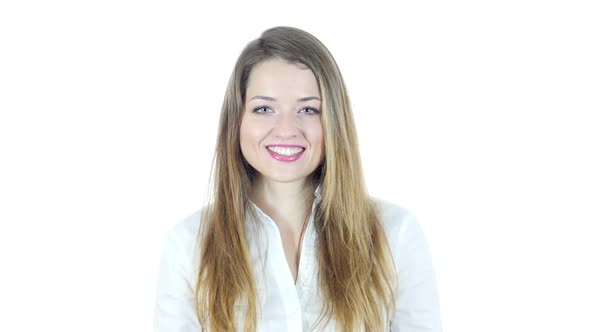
291, 240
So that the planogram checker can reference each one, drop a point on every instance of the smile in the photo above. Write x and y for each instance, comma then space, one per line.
285, 154
285, 151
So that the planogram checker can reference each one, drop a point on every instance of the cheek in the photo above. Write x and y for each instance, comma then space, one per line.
250, 133
245, 135
318, 135
242, 134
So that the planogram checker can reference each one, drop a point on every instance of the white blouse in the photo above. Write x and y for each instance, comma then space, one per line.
288, 306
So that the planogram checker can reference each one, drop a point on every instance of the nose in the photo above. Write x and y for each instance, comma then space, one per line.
286, 124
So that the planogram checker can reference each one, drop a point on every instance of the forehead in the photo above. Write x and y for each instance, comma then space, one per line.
280, 78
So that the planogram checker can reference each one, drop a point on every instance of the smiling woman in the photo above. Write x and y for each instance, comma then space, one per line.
286, 142
291, 240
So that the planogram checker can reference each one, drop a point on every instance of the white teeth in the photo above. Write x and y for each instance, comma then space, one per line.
285, 151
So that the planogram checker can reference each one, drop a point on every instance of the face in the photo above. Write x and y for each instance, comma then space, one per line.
281, 133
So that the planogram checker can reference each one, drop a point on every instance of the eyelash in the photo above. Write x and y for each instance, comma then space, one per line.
315, 111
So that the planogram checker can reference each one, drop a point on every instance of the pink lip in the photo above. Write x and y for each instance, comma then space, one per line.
286, 146
285, 158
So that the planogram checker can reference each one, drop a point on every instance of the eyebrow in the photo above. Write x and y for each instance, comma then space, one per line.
274, 99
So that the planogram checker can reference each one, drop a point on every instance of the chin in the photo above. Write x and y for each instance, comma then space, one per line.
283, 177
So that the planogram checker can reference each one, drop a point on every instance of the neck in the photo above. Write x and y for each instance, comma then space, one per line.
288, 204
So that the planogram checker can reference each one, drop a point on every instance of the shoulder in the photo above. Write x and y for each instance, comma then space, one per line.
177, 277
186, 228
417, 306
180, 244
394, 217
400, 224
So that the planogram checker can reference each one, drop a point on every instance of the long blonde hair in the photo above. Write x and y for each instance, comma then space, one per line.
356, 270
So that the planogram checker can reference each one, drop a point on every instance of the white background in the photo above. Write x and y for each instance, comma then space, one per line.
471, 114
